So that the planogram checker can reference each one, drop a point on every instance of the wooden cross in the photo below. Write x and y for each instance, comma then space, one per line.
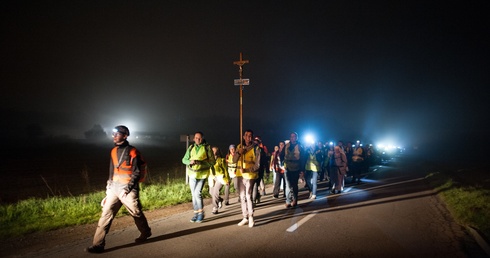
240, 63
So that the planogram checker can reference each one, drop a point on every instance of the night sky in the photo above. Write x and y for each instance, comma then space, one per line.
411, 71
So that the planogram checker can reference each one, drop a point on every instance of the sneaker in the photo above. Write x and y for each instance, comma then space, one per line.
143, 237
294, 204
200, 217
251, 222
288, 205
227, 203
220, 203
243, 222
96, 249
215, 211
276, 196
313, 197
194, 218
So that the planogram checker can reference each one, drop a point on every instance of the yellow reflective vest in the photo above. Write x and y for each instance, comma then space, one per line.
247, 166
312, 164
205, 160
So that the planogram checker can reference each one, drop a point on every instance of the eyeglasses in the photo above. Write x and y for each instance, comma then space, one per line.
114, 134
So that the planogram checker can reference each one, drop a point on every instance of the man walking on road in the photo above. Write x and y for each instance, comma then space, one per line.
122, 189
248, 160
294, 164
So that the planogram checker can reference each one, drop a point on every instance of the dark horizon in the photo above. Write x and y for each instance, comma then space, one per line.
413, 73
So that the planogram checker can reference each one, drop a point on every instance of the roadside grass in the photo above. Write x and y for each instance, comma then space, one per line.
466, 194
40, 215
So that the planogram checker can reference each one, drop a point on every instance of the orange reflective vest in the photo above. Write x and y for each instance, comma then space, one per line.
123, 165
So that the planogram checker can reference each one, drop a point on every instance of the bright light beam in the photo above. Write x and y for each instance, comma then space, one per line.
309, 139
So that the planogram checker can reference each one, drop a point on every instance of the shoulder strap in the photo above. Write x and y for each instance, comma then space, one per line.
122, 155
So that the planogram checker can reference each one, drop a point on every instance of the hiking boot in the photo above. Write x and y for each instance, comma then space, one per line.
143, 237
251, 222
243, 222
95, 249
200, 217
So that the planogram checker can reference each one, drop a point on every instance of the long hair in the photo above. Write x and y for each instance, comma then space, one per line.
218, 151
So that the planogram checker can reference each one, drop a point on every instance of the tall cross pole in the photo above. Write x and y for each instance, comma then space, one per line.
240, 63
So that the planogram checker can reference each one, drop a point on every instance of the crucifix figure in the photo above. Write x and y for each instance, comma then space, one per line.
240, 63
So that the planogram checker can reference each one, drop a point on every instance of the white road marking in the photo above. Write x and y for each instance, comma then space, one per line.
301, 222
310, 216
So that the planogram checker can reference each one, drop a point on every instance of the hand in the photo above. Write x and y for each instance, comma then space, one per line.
108, 185
240, 151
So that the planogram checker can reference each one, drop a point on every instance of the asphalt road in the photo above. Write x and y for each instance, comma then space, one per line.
393, 213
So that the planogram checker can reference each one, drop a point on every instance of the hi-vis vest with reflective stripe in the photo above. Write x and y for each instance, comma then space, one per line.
231, 166
312, 164
123, 165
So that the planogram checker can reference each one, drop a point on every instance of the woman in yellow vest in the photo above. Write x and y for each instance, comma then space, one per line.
312, 169
232, 172
199, 159
248, 158
221, 178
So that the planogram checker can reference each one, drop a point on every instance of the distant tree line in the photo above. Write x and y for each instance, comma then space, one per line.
96, 133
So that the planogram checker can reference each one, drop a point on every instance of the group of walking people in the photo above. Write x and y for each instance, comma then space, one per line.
245, 165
